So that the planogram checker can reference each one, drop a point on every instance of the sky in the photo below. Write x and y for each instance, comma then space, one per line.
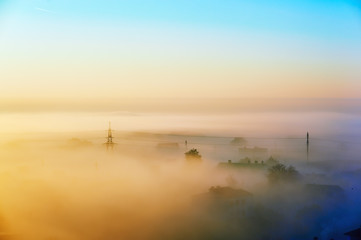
52, 49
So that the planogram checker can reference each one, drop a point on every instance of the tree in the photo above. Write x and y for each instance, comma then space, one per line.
239, 141
281, 173
193, 155
271, 161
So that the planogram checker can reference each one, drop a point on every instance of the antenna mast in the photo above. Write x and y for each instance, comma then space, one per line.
308, 144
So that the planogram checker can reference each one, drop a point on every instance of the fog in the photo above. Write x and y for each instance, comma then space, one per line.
70, 185
54, 187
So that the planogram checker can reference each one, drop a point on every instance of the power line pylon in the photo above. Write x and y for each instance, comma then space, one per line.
110, 142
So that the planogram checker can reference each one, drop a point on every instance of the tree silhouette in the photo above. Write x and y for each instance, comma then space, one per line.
193, 155
271, 161
240, 141
281, 173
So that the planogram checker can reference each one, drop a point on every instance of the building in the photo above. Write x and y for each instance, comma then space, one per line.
226, 200
168, 145
252, 165
354, 234
248, 163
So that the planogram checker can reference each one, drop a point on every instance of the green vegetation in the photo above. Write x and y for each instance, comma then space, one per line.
280, 173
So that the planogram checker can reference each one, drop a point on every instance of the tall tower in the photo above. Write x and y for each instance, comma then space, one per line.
110, 142
308, 144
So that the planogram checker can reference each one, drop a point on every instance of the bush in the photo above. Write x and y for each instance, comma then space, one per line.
193, 155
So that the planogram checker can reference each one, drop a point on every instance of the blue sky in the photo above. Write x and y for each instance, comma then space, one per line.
224, 46
327, 18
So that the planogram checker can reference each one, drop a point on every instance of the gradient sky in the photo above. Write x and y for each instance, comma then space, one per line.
180, 48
